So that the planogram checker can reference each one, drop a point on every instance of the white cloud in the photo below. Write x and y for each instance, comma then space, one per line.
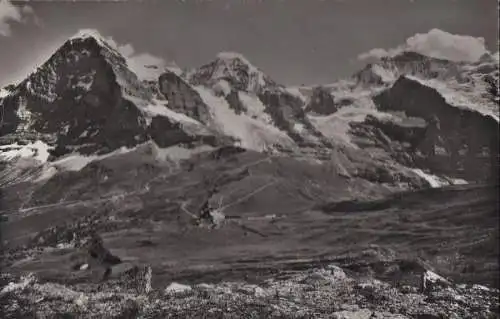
438, 44
145, 65
10, 13
376, 53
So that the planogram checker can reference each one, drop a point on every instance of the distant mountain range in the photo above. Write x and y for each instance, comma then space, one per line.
406, 121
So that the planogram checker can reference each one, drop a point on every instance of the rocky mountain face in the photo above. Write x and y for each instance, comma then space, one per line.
70, 100
85, 100
457, 142
408, 63
433, 115
223, 151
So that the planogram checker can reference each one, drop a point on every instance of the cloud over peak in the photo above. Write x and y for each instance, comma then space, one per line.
437, 44
12, 13
145, 65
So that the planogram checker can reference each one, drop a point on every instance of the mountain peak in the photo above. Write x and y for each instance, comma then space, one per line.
234, 68
102, 41
88, 33
229, 56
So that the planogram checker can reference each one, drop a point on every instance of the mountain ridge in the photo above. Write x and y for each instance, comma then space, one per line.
228, 100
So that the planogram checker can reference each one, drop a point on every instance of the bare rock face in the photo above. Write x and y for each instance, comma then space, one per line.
235, 103
75, 101
230, 76
457, 142
408, 63
236, 70
321, 102
287, 112
367, 77
413, 63
182, 97
85, 99
399, 139
167, 133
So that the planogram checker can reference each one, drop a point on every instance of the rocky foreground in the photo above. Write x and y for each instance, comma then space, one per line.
325, 292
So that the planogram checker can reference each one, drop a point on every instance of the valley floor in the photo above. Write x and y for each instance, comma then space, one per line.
259, 265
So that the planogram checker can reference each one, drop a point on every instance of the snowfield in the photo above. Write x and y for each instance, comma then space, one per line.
37, 150
252, 133
436, 181
463, 96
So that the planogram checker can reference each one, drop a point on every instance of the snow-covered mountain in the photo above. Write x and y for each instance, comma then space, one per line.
434, 115
401, 120
86, 99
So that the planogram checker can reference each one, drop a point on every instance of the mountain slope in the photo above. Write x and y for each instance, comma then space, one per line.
85, 99
415, 109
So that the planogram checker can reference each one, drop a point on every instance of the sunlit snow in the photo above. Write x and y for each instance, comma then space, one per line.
252, 133
461, 98
37, 150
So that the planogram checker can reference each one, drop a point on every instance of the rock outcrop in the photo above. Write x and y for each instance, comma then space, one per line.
457, 142
313, 293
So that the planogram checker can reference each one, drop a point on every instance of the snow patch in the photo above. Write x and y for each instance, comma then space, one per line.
480, 287
222, 87
90, 33
295, 91
496, 56
22, 284
433, 180
461, 97
458, 181
26, 117
227, 55
177, 288
74, 162
144, 65
299, 128
179, 152
336, 126
85, 82
84, 267
225, 66
37, 150
255, 108
4, 93
46, 174
155, 107
433, 277
252, 133
386, 75
174, 68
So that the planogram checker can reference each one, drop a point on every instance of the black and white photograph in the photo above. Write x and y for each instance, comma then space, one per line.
323, 159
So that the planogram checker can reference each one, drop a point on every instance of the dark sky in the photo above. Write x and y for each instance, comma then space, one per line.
294, 41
